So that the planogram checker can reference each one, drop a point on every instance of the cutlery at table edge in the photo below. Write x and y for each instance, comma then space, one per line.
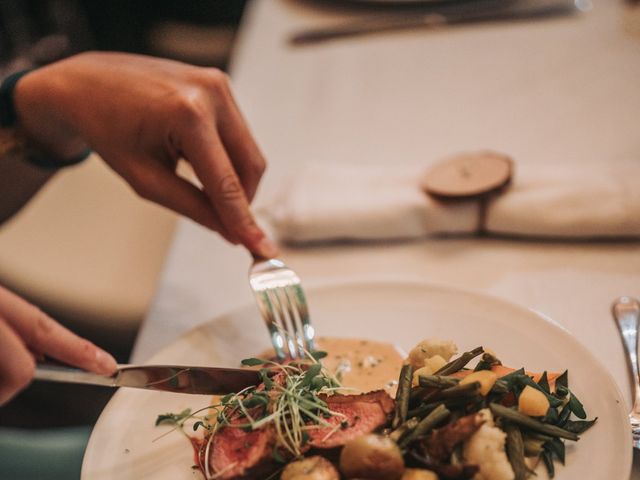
380, 23
626, 313
168, 378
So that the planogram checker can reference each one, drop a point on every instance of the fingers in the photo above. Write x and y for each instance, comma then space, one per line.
205, 151
41, 333
163, 186
241, 147
16, 364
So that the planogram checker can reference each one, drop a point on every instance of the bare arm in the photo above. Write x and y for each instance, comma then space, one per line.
19, 181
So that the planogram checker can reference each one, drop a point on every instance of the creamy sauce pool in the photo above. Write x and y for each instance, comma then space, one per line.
364, 365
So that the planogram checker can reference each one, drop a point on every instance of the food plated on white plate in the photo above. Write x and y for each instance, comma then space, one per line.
126, 445
340, 413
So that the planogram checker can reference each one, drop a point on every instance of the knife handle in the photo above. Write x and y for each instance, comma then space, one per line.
56, 373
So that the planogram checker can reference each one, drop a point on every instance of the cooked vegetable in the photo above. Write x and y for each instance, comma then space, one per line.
487, 361
436, 362
408, 426
460, 362
486, 449
432, 364
435, 418
486, 378
531, 423
311, 468
533, 402
418, 474
429, 348
461, 390
515, 452
372, 457
532, 447
402, 395
442, 421
438, 381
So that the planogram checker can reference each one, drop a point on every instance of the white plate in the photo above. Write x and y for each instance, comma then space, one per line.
121, 445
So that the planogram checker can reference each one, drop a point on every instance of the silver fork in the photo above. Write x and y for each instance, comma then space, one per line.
626, 312
283, 307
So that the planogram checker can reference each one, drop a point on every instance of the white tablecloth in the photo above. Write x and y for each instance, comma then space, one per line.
561, 90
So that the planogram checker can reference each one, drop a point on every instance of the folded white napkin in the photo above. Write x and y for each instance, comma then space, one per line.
570, 201
336, 202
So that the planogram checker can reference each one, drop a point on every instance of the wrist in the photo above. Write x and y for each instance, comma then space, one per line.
44, 140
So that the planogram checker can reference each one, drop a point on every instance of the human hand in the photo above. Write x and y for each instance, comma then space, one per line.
26, 333
142, 115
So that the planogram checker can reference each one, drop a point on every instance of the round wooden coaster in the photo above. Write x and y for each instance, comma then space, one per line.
468, 175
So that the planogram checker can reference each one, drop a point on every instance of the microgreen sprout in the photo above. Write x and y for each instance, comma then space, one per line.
290, 400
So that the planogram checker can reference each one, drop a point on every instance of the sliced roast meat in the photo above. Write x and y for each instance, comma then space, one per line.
237, 453
358, 414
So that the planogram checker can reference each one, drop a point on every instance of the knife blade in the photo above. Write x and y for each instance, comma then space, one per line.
167, 378
511, 11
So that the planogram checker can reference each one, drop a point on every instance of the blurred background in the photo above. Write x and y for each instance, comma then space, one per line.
89, 252
86, 249
39, 31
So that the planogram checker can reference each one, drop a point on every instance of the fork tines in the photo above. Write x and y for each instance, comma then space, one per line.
283, 306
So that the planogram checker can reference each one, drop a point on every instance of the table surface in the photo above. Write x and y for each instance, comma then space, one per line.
559, 90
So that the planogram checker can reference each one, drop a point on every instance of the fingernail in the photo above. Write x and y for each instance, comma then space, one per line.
105, 363
267, 249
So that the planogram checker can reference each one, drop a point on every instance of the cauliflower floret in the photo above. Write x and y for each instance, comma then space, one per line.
429, 348
486, 449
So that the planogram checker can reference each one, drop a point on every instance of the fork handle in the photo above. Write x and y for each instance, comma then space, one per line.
626, 312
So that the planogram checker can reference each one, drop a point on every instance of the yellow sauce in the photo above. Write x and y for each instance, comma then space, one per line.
363, 365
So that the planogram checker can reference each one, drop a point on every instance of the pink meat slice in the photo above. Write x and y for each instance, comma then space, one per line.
361, 414
236, 452
242, 454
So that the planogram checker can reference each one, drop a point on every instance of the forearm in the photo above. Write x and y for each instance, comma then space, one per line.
19, 181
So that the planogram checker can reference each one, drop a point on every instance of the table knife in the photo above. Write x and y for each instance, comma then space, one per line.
168, 378
512, 11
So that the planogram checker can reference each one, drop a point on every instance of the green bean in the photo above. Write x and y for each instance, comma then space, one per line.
486, 362
450, 403
579, 426
556, 446
402, 395
466, 390
428, 423
437, 381
539, 437
460, 362
397, 434
533, 447
515, 451
531, 423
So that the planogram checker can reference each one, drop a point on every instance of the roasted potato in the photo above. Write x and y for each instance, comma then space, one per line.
312, 468
533, 402
418, 474
487, 380
372, 457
